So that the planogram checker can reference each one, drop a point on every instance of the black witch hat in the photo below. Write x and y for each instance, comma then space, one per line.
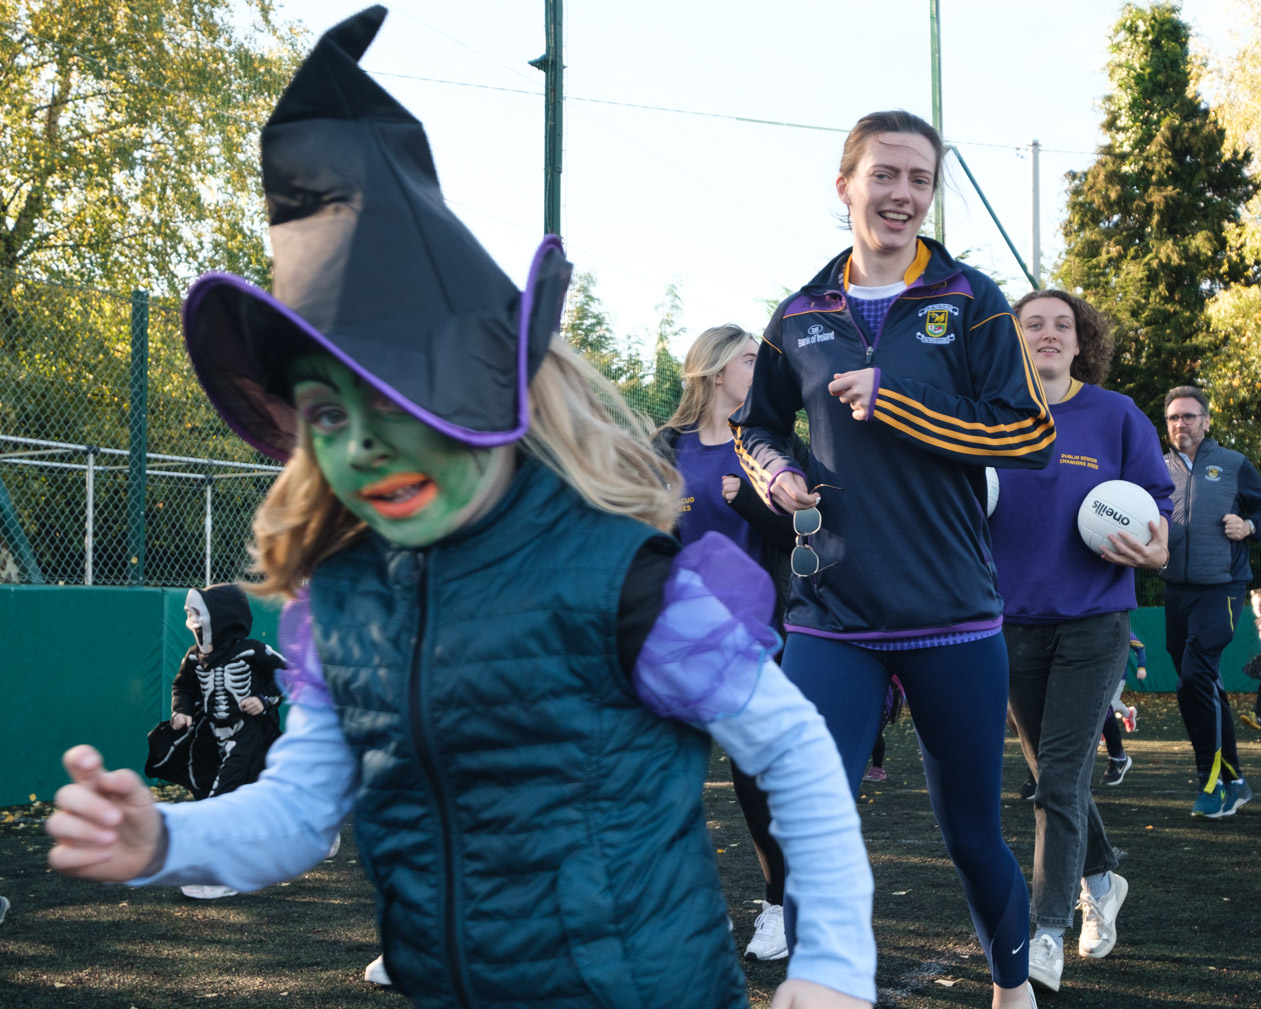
372, 266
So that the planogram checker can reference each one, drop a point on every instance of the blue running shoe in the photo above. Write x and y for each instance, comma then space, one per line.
1237, 794
1210, 804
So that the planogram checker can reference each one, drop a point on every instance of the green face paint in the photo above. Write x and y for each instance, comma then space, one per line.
406, 480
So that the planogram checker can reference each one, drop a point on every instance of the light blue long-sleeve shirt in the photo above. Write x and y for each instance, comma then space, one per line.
283, 824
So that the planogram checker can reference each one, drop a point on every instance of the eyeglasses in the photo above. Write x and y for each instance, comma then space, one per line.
1186, 418
804, 561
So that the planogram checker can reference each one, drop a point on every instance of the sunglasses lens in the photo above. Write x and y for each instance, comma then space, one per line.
805, 562
807, 522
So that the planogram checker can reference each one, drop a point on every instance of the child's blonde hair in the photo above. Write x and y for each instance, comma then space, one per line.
580, 426
712, 351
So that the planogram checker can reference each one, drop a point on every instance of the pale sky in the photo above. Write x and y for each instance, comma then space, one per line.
734, 212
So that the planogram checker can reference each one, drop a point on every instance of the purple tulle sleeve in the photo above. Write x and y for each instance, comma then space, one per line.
303, 680
704, 654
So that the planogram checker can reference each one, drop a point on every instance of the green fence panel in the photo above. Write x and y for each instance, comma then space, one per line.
1148, 623
88, 665
95, 665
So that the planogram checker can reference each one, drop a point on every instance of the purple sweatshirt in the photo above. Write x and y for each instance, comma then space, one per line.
1046, 573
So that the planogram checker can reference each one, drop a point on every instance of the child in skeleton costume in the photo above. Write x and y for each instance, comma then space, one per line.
228, 681
501, 661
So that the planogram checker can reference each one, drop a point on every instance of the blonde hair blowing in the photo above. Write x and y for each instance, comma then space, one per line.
712, 351
579, 426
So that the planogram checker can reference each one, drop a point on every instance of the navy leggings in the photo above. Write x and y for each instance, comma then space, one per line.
957, 696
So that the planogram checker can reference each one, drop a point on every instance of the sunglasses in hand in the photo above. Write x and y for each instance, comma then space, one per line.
804, 561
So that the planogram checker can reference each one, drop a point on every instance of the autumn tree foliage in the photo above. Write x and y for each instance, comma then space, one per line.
129, 137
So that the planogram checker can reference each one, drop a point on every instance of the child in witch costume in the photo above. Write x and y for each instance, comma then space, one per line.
224, 705
501, 664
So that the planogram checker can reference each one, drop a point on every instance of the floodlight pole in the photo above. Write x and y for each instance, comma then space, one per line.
934, 27
1035, 253
552, 64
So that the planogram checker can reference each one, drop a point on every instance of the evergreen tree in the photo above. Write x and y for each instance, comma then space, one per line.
586, 326
666, 387
1146, 231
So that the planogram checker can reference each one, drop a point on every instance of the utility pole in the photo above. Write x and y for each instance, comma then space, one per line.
934, 26
1035, 253
552, 64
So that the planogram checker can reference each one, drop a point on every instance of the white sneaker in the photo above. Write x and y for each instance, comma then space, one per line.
1099, 917
769, 941
1046, 961
207, 892
375, 972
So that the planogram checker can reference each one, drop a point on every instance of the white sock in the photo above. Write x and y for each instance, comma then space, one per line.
1097, 885
1050, 930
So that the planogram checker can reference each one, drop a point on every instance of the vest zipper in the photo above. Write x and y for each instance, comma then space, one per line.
429, 765
1186, 510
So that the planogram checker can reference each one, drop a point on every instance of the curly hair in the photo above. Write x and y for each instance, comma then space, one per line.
1094, 335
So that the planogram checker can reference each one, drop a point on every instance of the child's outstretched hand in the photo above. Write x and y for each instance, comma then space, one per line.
106, 826
797, 993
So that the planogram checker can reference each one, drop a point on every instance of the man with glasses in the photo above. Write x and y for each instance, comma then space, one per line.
1216, 509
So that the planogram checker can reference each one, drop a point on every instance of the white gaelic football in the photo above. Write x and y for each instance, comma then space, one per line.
1112, 507
991, 497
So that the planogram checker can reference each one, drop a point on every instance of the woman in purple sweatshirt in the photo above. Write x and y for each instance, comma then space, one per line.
1066, 615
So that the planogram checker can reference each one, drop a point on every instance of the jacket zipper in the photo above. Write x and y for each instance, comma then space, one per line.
429, 765
1186, 510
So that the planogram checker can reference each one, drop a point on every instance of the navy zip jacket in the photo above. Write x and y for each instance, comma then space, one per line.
905, 547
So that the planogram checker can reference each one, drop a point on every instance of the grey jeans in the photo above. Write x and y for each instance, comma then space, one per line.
1062, 678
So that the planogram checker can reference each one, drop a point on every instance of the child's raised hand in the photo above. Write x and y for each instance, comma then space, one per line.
105, 825
797, 993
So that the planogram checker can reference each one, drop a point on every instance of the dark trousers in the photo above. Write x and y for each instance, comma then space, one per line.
1200, 621
243, 752
757, 816
1112, 735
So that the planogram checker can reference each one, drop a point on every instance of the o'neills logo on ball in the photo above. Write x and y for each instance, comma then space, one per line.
1108, 512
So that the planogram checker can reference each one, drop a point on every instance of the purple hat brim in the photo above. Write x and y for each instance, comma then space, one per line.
235, 362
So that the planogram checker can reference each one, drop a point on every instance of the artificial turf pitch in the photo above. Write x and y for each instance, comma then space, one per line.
1189, 933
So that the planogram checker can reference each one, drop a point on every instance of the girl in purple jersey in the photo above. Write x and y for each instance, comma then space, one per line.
697, 438
1066, 616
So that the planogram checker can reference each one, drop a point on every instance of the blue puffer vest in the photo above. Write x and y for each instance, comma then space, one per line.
1199, 552
535, 834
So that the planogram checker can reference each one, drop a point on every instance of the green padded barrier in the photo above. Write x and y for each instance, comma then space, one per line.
88, 665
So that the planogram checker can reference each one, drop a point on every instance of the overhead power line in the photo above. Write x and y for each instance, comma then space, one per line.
696, 112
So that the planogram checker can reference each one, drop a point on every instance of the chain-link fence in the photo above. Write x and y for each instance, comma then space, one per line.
114, 468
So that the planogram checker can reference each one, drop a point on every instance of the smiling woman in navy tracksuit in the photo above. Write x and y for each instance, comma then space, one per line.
914, 377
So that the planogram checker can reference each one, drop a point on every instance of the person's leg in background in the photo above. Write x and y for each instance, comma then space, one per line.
1118, 760
769, 941
1202, 620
